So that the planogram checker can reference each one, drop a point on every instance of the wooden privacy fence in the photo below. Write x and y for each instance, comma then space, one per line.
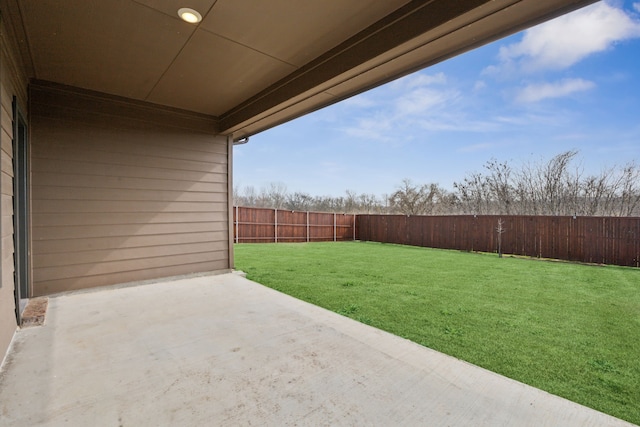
606, 240
259, 225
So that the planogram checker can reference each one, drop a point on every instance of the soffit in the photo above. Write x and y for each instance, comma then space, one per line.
253, 64
119, 47
140, 49
295, 32
213, 74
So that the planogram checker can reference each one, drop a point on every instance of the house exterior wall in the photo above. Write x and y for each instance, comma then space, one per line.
123, 191
13, 82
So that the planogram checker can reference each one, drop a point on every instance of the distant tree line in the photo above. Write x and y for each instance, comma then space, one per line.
554, 187
557, 186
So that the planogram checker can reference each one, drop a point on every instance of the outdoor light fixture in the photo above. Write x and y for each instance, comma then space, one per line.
189, 15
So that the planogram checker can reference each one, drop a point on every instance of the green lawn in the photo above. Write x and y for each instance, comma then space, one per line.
570, 329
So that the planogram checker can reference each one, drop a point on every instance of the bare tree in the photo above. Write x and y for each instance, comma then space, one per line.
474, 194
411, 199
547, 188
369, 203
573, 197
322, 203
527, 190
449, 204
237, 198
250, 196
630, 190
500, 229
299, 202
351, 202
554, 176
499, 184
276, 194
594, 191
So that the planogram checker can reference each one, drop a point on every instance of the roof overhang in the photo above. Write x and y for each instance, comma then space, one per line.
252, 65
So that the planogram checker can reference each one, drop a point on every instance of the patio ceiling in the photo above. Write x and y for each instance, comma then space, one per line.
254, 64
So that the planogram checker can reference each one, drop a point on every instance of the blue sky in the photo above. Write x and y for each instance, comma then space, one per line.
571, 83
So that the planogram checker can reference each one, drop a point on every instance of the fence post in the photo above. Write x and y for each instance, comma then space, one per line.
334, 226
275, 223
237, 226
307, 226
354, 227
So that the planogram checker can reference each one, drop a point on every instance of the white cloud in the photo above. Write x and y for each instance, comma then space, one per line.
479, 85
359, 101
418, 80
376, 128
538, 92
564, 41
402, 105
636, 6
533, 119
422, 101
416, 96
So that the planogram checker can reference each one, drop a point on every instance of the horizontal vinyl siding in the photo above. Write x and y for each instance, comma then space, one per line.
58, 245
12, 83
7, 303
136, 263
122, 197
91, 281
128, 171
124, 232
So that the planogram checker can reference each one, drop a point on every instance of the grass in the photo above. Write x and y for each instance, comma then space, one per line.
570, 329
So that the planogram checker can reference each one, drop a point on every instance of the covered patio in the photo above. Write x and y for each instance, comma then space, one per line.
117, 125
118, 117
223, 350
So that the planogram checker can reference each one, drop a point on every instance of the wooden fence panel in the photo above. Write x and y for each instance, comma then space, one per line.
603, 240
398, 232
254, 225
592, 243
414, 231
322, 229
262, 225
345, 227
292, 226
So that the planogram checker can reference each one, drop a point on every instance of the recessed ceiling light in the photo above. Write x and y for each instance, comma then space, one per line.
189, 15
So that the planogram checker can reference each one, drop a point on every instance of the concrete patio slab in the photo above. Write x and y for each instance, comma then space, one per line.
222, 350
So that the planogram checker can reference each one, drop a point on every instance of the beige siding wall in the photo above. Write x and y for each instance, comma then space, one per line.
12, 83
122, 191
